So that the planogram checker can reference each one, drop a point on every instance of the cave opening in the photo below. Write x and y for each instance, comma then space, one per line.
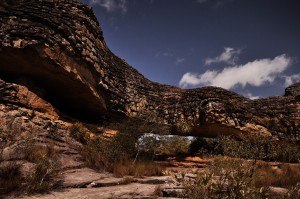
52, 83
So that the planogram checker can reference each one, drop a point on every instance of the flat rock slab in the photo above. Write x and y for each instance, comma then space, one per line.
69, 161
82, 177
133, 190
278, 191
106, 182
87, 178
154, 180
88, 184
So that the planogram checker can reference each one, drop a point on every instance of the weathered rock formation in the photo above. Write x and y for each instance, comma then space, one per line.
56, 49
27, 120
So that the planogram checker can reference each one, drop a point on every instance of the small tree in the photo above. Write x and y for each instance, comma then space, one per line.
137, 133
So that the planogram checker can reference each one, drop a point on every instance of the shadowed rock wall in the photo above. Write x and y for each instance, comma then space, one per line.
57, 50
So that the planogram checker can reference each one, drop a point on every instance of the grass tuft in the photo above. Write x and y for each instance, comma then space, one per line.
139, 169
11, 178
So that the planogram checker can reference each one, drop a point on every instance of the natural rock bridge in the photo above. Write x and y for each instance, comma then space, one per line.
56, 49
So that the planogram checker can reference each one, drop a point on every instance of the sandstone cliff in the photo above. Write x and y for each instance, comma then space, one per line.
55, 54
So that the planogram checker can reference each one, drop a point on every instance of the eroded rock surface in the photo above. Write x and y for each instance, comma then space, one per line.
28, 124
59, 46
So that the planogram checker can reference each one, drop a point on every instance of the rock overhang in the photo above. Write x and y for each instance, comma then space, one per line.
60, 46
63, 88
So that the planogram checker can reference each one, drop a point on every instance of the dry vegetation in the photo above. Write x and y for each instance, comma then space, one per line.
10, 178
139, 169
237, 178
246, 167
121, 154
278, 175
132, 150
40, 179
247, 172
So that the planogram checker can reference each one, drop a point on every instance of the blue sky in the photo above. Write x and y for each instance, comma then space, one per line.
248, 46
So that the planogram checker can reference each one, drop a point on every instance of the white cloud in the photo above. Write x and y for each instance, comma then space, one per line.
255, 73
111, 5
179, 60
251, 96
289, 80
192, 79
229, 56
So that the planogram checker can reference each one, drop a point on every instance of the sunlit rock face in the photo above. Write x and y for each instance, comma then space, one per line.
56, 50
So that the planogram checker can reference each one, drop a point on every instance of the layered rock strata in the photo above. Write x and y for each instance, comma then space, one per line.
56, 49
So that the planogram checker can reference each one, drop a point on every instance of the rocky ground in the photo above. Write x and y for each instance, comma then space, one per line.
86, 183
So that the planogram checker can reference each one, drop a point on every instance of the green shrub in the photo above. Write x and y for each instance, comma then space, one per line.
248, 147
149, 144
174, 145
